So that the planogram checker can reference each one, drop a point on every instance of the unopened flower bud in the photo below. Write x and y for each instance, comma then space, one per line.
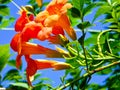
61, 66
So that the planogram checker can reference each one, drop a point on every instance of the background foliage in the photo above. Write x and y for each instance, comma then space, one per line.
95, 51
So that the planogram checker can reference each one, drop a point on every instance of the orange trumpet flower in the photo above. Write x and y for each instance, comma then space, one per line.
57, 16
34, 65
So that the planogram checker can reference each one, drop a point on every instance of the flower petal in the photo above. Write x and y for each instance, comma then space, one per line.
44, 64
31, 30
61, 66
65, 23
55, 6
51, 20
57, 30
20, 23
31, 70
41, 16
18, 61
14, 42
58, 39
44, 33
30, 48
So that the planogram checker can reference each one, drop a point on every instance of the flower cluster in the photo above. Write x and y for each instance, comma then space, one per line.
49, 25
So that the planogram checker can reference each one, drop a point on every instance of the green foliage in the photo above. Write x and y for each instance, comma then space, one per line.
12, 74
4, 55
6, 22
4, 1
4, 10
5, 18
19, 86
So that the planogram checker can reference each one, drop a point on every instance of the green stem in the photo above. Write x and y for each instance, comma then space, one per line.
73, 51
88, 74
98, 40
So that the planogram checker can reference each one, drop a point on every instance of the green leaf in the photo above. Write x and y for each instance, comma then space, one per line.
4, 55
88, 8
37, 75
73, 17
113, 82
101, 11
84, 25
20, 84
31, 1
95, 86
105, 71
1, 18
115, 45
92, 39
75, 12
11, 19
12, 63
79, 4
111, 20
113, 26
4, 1
12, 74
6, 22
4, 10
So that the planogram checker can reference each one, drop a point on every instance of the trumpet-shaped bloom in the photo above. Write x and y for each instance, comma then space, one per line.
31, 48
58, 7
22, 20
26, 48
34, 65
57, 16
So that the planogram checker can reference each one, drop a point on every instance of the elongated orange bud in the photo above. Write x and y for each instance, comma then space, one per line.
61, 66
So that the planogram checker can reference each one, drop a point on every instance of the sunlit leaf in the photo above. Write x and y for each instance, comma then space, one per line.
92, 39
6, 22
20, 84
4, 10
12, 74
4, 55
79, 4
